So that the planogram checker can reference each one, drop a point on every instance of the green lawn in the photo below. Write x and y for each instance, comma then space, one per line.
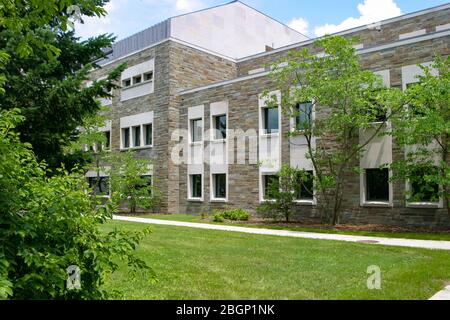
405, 235
207, 264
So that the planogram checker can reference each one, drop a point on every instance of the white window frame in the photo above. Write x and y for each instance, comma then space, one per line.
213, 187
213, 127
363, 192
139, 120
191, 131
190, 183
306, 202
262, 186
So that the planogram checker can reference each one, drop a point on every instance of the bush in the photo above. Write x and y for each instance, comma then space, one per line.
50, 226
231, 214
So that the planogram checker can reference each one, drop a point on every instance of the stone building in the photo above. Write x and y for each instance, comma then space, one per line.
192, 78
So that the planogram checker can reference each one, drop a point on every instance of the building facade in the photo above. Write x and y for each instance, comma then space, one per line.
191, 100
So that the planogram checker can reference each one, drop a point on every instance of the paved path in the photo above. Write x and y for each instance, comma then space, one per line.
427, 244
442, 295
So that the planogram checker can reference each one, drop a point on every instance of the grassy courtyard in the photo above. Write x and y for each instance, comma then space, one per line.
207, 264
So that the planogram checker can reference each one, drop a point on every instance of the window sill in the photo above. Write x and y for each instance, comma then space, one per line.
137, 148
195, 200
419, 205
270, 135
219, 200
375, 204
305, 202
218, 140
137, 85
196, 143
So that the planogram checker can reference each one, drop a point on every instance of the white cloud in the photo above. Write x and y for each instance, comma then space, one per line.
188, 5
299, 24
371, 11
94, 26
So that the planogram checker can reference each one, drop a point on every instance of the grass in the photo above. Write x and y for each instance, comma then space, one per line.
387, 234
208, 264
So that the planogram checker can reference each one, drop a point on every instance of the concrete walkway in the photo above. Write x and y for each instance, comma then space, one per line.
426, 244
442, 295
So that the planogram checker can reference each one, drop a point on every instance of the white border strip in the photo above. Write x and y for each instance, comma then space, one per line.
399, 43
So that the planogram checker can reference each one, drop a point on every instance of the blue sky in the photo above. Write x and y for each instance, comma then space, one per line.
311, 17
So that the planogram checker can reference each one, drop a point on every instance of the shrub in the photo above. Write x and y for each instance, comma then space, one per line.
50, 225
231, 214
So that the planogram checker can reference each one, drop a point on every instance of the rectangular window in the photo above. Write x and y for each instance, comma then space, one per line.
99, 186
305, 189
137, 136
304, 115
148, 76
377, 185
270, 121
271, 185
137, 79
125, 138
148, 131
220, 127
196, 186
146, 181
126, 83
107, 145
197, 130
220, 186
422, 189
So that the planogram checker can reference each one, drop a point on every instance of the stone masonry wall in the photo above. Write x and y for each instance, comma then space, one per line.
176, 67
243, 114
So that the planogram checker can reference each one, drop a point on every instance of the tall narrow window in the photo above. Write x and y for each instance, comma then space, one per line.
305, 189
220, 186
148, 131
422, 189
125, 138
271, 123
196, 186
220, 127
197, 130
107, 145
137, 136
271, 184
377, 185
304, 115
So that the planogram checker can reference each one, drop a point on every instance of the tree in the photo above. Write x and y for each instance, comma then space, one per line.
345, 100
48, 224
51, 88
423, 129
282, 193
131, 182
